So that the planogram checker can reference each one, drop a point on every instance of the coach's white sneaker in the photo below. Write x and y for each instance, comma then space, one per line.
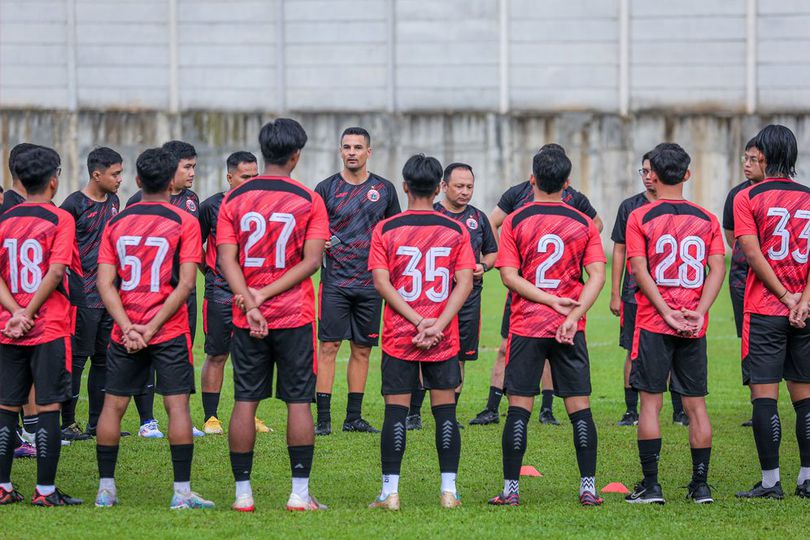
298, 504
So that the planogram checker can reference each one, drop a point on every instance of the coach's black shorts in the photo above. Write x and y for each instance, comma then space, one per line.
737, 296
402, 376
507, 312
218, 327
173, 365
290, 350
469, 326
352, 314
93, 328
656, 355
773, 350
46, 366
526, 356
191, 306
628, 325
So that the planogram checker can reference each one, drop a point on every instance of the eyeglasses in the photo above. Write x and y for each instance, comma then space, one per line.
643, 172
753, 160
58, 171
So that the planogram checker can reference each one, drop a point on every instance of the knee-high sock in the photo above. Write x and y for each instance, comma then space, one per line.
392, 439
513, 444
767, 432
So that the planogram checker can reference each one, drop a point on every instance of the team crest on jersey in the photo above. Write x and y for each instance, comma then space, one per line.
472, 224
191, 206
373, 195
114, 211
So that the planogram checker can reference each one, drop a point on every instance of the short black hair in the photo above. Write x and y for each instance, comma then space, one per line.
16, 151
35, 167
551, 168
778, 145
452, 167
646, 156
102, 158
180, 149
552, 146
422, 174
156, 168
751, 144
356, 131
280, 139
241, 156
669, 162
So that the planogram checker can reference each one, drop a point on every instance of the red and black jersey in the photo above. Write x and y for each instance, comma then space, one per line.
11, 199
482, 240
629, 285
216, 286
777, 211
91, 217
269, 218
522, 194
422, 251
677, 238
549, 244
147, 243
35, 236
354, 211
738, 272
186, 199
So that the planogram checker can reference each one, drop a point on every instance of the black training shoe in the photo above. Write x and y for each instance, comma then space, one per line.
748, 423
57, 498
759, 492
547, 417
680, 418
487, 416
646, 495
413, 422
700, 492
10, 497
90, 431
630, 418
803, 490
74, 432
323, 428
359, 425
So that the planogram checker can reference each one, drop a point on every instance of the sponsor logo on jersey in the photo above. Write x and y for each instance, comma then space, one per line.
373, 195
472, 224
191, 206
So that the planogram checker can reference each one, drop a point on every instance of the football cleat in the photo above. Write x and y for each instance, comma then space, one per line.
244, 503
150, 430
449, 499
297, 504
213, 426
74, 432
630, 418
323, 428
106, 498
25, 450
30, 438
680, 418
759, 492
91, 430
413, 422
547, 417
57, 498
10, 497
390, 502
196, 432
586, 498
261, 427
748, 423
190, 500
643, 494
700, 492
513, 499
485, 417
359, 425
803, 490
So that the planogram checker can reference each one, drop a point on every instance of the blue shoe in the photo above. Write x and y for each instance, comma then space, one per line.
106, 498
196, 432
150, 430
185, 501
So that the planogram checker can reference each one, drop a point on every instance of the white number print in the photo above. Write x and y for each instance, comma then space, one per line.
780, 230
24, 266
134, 263
691, 272
546, 241
251, 219
432, 273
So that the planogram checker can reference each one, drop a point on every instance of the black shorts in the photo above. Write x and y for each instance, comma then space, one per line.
191, 306
773, 350
172, 362
402, 376
737, 296
290, 350
507, 312
628, 325
93, 328
469, 326
656, 355
218, 327
46, 366
526, 356
349, 314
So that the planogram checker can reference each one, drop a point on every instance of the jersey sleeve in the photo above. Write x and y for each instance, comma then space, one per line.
507, 201
743, 216
728, 211
636, 244
205, 222
583, 204
64, 242
106, 251
618, 235
190, 242
466, 257
716, 246
318, 226
69, 206
594, 252
489, 244
226, 234
393, 207
322, 188
377, 259
136, 198
508, 254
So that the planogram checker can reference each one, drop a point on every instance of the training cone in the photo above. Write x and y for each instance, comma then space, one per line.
615, 487
528, 470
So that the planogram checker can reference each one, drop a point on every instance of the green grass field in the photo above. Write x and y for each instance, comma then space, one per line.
346, 469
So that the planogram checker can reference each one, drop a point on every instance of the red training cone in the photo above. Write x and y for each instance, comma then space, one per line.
528, 470
615, 487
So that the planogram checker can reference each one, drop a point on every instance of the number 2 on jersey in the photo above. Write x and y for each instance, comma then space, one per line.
432, 272
546, 242
257, 220
689, 261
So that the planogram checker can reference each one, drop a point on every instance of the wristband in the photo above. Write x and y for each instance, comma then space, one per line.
420, 322
783, 294
486, 268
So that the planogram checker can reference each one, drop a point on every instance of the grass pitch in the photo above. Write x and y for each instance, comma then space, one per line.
346, 472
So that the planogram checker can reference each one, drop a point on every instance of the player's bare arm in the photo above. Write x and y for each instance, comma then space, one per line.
590, 292
647, 286
228, 258
598, 222
488, 260
461, 290
729, 235
19, 323
619, 258
382, 282
711, 288
108, 290
516, 283
759, 265
177, 298
52, 278
496, 218
313, 249
800, 312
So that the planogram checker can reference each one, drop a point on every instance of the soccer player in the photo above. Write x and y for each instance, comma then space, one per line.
349, 307
15, 195
147, 265
670, 242
457, 185
771, 223
422, 263
754, 171
91, 209
271, 233
38, 245
544, 248
218, 302
623, 291
181, 196
514, 198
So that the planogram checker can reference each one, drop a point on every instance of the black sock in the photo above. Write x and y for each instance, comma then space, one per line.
145, 403
354, 406
30, 423
49, 446
677, 404
392, 439
301, 460
8, 436
494, 400
417, 398
210, 403
324, 403
448, 437
241, 465
802, 409
96, 384
513, 441
182, 455
700, 463
548, 400
69, 407
585, 441
631, 399
767, 432
649, 451
457, 396
107, 457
